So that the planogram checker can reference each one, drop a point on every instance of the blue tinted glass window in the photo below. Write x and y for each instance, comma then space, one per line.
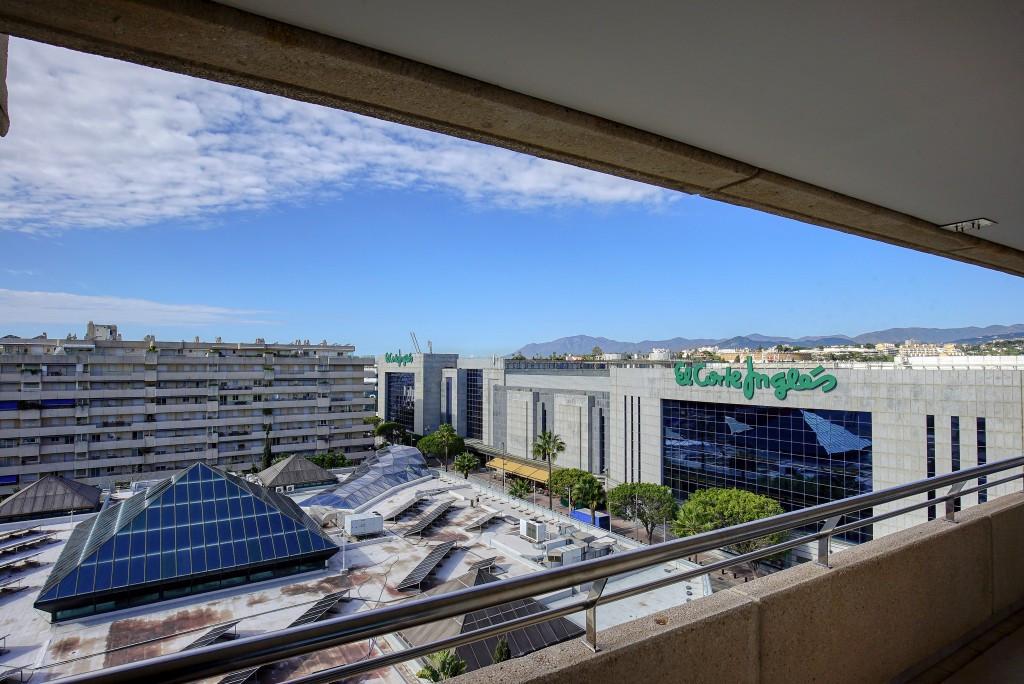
167, 565
196, 532
220, 489
198, 560
266, 547
181, 537
213, 557
799, 457
86, 579
104, 572
121, 572
280, 548
122, 545
153, 568
400, 390
184, 560
227, 555
210, 533
235, 508
106, 551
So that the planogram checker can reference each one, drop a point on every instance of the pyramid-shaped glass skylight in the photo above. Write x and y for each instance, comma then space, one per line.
184, 535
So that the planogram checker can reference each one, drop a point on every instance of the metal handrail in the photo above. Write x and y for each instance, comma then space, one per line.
296, 641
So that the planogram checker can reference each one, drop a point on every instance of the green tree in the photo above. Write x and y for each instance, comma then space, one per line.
441, 666
501, 651
268, 453
390, 431
649, 504
518, 488
466, 463
373, 420
712, 509
589, 492
441, 442
596, 352
547, 446
563, 480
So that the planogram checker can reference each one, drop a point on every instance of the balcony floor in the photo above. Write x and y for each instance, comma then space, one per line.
995, 656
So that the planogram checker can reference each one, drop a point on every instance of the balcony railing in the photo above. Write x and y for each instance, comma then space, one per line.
297, 641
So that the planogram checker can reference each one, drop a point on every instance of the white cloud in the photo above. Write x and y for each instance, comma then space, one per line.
19, 271
62, 308
98, 143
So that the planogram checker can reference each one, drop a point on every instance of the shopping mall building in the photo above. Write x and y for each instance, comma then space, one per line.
800, 433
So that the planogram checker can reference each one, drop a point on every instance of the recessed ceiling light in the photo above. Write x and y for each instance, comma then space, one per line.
971, 226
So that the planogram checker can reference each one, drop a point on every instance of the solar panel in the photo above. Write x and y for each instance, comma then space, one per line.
483, 564
19, 544
239, 677
212, 635
427, 518
411, 503
14, 534
319, 609
21, 559
426, 566
482, 520
314, 613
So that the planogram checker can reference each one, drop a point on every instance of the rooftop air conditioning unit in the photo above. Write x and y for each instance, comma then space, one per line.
278, 489
290, 488
533, 530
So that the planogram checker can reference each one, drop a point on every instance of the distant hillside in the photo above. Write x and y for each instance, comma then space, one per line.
584, 344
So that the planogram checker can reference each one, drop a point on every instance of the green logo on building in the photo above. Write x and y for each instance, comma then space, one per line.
782, 382
399, 358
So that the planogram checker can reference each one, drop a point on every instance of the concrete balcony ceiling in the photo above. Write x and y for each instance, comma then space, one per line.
886, 121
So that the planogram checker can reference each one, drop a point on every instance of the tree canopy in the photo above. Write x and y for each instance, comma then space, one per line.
712, 509
466, 463
565, 479
647, 503
502, 652
441, 443
588, 491
332, 459
389, 431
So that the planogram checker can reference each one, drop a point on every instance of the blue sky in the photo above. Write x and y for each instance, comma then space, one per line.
177, 207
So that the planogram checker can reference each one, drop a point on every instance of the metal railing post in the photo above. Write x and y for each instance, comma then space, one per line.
825, 542
596, 589
951, 501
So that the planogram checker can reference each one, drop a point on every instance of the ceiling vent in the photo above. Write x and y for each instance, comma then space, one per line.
971, 226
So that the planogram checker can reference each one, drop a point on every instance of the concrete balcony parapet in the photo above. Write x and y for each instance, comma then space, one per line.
881, 610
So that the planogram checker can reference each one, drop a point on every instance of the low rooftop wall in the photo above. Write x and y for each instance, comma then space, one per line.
883, 608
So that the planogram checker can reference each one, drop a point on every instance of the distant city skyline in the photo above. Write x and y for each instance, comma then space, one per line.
178, 207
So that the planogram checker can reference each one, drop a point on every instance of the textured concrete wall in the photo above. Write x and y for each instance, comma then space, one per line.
883, 608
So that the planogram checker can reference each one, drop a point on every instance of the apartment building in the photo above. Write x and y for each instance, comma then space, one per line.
103, 409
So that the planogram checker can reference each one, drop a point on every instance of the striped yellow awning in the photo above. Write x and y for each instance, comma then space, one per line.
520, 469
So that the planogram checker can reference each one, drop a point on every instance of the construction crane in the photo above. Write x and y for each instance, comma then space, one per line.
415, 342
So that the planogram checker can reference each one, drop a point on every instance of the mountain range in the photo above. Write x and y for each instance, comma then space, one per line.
583, 344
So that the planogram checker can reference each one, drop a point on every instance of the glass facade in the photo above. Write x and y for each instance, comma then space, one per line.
954, 454
474, 403
982, 458
401, 399
929, 445
199, 531
798, 457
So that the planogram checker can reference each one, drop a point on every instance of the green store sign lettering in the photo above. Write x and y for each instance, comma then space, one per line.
399, 358
782, 382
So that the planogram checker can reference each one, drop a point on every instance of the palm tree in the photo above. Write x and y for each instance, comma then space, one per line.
589, 492
446, 438
441, 666
466, 463
547, 446
519, 489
